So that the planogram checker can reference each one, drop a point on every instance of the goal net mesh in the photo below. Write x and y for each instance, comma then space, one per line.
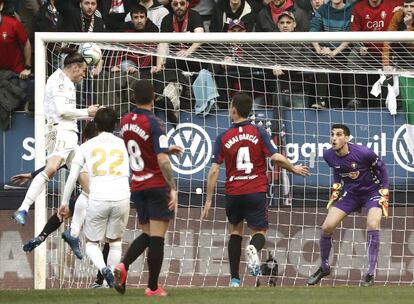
285, 80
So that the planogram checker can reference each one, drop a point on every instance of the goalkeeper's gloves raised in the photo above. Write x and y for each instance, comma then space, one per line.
383, 201
336, 193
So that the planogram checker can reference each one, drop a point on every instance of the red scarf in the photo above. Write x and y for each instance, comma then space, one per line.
276, 11
183, 28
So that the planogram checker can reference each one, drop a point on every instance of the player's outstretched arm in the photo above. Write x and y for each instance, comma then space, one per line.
285, 163
69, 186
71, 113
211, 185
165, 166
24, 178
21, 179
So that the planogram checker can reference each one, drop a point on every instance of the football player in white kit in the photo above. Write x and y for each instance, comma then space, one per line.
107, 163
62, 130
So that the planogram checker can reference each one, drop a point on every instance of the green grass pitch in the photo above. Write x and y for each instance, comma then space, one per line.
282, 295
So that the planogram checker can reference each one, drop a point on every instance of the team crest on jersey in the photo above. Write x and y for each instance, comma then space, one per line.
353, 165
4, 35
383, 14
197, 148
367, 17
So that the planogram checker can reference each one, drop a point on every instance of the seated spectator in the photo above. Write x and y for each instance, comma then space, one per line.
369, 16
15, 50
402, 54
229, 10
133, 62
155, 11
267, 18
334, 16
182, 19
167, 4
290, 89
82, 17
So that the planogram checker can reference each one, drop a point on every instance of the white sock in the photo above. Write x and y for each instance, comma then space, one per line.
95, 254
36, 187
114, 255
79, 214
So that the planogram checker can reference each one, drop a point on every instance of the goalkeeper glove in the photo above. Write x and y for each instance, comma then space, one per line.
336, 193
383, 201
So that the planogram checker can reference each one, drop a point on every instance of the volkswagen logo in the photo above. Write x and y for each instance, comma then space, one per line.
400, 149
197, 148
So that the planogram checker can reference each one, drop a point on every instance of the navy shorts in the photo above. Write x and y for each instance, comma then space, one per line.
152, 204
252, 207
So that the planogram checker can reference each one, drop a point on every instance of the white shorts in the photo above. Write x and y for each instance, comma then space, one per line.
62, 143
106, 219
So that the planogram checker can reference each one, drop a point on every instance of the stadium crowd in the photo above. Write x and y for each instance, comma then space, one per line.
20, 19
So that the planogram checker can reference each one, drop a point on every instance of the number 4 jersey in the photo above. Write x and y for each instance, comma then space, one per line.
144, 137
244, 148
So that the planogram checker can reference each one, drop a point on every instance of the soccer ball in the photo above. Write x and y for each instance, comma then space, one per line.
90, 52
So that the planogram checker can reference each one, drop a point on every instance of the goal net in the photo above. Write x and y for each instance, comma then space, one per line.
298, 95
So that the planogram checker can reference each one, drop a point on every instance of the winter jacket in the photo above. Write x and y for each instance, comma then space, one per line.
11, 96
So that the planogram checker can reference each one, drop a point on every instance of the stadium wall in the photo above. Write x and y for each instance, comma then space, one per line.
307, 131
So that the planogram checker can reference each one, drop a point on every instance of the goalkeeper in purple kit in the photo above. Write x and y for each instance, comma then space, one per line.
360, 179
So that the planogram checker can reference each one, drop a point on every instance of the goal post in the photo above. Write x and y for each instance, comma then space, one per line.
40, 160
196, 250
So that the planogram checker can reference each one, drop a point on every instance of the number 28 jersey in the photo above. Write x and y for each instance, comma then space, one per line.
244, 148
144, 137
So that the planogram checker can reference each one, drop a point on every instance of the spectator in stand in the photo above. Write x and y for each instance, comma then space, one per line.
229, 10
82, 17
155, 11
182, 19
268, 16
286, 22
290, 88
334, 16
133, 62
402, 54
16, 51
168, 5
369, 16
